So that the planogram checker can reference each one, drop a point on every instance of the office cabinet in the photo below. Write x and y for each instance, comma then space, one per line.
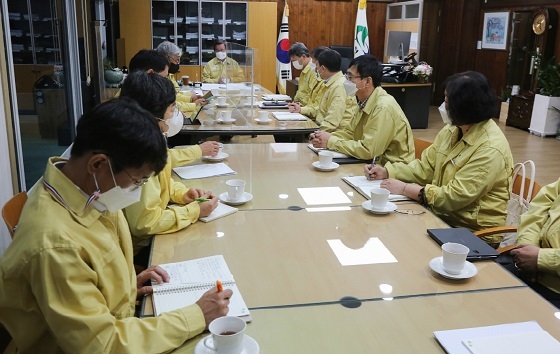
414, 100
195, 25
520, 110
34, 32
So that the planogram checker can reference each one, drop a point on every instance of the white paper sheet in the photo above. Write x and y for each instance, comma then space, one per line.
373, 252
203, 171
323, 195
451, 340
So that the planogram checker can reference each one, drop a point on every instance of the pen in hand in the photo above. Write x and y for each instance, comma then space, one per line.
202, 199
373, 161
219, 286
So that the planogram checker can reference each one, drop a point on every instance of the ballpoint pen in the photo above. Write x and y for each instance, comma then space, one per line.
202, 199
372, 164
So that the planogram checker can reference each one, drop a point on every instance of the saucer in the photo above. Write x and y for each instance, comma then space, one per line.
468, 272
220, 157
258, 120
389, 208
332, 167
224, 121
247, 197
222, 105
250, 346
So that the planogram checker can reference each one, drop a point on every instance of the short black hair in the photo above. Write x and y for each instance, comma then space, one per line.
218, 42
124, 131
152, 91
298, 49
330, 59
147, 59
317, 51
470, 99
368, 66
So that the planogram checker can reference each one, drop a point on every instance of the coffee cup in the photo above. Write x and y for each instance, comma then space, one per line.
379, 197
263, 116
197, 84
227, 335
235, 189
325, 158
454, 257
222, 100
185, 80
225, 115
220, 149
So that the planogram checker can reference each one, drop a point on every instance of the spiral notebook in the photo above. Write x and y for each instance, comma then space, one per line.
189, 280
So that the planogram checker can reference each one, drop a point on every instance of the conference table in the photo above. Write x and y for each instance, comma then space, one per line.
292, 250
246, 115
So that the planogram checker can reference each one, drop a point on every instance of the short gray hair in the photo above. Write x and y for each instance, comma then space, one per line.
169, 49
298, 49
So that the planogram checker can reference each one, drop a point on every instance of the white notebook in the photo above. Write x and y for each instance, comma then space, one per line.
540, 342
220, 211
276, 97
287, 116
364, 186
204, 170
190, 280
336, 154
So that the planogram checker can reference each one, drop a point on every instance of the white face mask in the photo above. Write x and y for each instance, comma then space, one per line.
174, 124
118, 198
221, 55
312, 66
297, 65
444, 114
350, 88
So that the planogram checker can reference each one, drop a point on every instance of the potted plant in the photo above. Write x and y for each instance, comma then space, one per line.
112, 75
422, 71
545, 121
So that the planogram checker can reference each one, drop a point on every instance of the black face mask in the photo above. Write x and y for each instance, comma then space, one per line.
173, 68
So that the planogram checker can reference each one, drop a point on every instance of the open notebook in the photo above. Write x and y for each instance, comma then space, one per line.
220, 211
191, 279
364, 186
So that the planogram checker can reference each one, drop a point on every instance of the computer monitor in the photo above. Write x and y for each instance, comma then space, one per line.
398, 44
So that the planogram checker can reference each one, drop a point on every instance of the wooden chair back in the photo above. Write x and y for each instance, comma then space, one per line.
11, 211
516, 188
419, 146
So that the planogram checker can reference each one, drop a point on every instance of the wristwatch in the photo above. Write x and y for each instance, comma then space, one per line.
422, 196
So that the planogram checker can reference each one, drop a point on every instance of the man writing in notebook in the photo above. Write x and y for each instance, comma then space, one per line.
67, 282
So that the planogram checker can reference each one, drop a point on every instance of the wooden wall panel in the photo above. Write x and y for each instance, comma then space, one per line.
262, 36
316, 22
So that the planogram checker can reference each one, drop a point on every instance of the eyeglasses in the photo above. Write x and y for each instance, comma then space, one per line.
138, 183
351, 77
174, 60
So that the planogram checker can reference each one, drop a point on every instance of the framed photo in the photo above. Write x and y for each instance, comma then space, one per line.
495, 30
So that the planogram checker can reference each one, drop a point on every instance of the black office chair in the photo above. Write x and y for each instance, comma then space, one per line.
347, 54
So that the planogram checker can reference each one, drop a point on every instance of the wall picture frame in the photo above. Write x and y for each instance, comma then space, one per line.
495, 30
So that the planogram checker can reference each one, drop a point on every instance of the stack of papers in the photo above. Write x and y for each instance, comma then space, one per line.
287, 116
204, 171
191, 19
512, 338
364, 186
239, 35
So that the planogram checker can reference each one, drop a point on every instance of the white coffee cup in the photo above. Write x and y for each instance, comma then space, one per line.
263, 116
235, 189
325, 158
454, 257
222, 100
379, 197
220, 148
228, 335
224, 115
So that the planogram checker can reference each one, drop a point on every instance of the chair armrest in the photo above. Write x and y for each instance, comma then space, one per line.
495, 230
506, 249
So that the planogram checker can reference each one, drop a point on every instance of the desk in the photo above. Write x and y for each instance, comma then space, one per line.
398, 326
244, 123
414, 100
292, 280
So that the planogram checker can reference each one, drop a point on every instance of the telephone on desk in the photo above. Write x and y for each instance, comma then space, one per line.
399, 73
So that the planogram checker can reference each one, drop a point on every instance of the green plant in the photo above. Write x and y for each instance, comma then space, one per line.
505, 94
548, 78
108, 64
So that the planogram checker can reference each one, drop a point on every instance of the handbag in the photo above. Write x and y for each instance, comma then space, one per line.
518, 202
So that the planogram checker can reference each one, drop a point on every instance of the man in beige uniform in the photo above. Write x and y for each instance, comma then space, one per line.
222, 69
